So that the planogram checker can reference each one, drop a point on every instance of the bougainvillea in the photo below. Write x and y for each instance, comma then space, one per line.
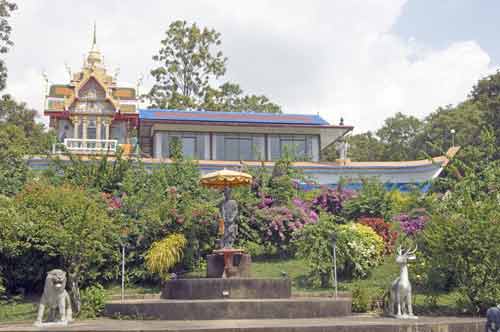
278, 223
332, 200
113, 202
383, 229
412, 223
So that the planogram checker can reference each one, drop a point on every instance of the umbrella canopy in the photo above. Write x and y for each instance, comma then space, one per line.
225, 178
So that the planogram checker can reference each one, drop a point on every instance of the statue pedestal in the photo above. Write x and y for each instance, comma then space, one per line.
228, 263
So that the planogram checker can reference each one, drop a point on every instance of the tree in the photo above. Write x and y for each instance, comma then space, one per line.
18, 114
13, 168
229, 98
398, 134
68, 227
188, 61
6, 8
486, 94
365, 147
460, 243
436, 137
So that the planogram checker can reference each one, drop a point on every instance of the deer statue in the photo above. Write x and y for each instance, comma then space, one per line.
400, 292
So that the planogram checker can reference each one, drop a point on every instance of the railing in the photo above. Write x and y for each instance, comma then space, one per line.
86, 146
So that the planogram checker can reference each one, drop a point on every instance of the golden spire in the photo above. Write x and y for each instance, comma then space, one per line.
94, 58
94, 41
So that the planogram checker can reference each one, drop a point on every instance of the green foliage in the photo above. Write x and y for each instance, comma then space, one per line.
229, 98
360, 249
164, 254
460, 243
188, 61
13, 168
361, 300
365, 147
34, 139
175, 148
20, 136
6, 8
314, 246
398, 136
93, 302
101, 174
282, 189
62, 227
167, 200
372, 201
486, 94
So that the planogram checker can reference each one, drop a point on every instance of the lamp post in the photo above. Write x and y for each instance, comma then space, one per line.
334, 270
452, 131
123, 271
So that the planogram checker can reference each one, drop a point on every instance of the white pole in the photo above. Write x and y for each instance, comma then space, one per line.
123, 272
335, 267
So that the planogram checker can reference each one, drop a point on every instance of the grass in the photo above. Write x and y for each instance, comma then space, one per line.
375, 285
17, 311
132, 290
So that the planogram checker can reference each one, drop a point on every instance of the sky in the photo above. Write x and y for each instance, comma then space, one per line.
362, 60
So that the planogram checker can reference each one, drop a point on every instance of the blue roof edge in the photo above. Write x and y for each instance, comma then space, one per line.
320, 120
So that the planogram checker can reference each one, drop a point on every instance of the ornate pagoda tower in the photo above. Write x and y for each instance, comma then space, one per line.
91, 113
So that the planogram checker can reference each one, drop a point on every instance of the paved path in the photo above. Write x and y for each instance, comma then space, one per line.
345, 324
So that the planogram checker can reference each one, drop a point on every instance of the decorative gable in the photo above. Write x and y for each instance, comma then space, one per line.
92, 90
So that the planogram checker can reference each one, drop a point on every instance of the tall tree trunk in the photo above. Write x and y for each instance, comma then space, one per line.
75, 293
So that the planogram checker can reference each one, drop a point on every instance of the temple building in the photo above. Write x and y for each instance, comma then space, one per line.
236, 135
92, 113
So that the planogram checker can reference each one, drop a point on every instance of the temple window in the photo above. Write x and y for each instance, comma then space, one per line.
92, 129
118, 132
302, 147
239, 147
193, 144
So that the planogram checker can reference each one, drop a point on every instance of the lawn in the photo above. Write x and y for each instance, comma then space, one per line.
17, 310
375, 285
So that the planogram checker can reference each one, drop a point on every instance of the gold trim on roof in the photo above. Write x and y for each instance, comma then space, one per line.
93, 68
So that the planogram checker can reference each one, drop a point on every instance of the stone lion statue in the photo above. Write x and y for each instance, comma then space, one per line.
493, 319
55, 298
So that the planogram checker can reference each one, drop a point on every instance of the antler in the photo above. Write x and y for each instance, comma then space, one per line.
411, 252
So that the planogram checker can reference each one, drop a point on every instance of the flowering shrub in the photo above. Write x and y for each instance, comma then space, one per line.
359, 250
412, 223
279, 222
332, 200
383, 229
113, 202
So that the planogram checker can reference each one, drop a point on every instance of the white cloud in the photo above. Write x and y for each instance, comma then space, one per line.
338, 58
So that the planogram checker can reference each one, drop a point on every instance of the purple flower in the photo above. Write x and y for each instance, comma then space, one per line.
314, 216
412, 224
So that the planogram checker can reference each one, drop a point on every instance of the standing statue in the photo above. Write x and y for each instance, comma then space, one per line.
229, 211
493, 319
400, 292
56, 299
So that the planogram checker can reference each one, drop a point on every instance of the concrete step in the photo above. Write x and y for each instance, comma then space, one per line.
230, 308
230, 288
354, 323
